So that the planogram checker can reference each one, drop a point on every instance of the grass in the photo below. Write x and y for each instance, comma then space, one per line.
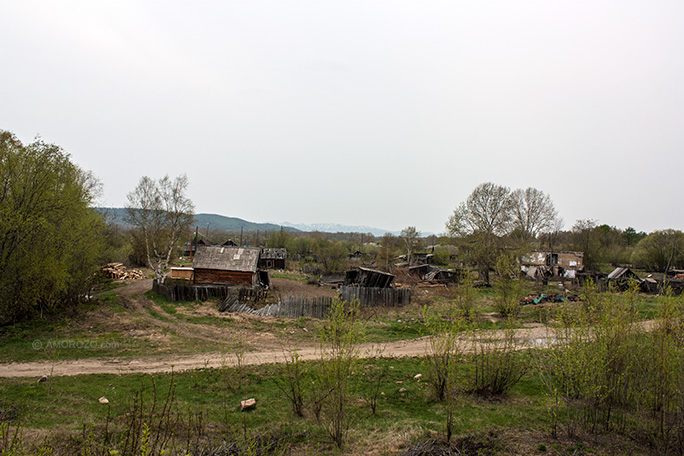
406, 414
297, 277
66, 404
70, 402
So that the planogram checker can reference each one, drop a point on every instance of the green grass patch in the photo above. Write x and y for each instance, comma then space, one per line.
297, 277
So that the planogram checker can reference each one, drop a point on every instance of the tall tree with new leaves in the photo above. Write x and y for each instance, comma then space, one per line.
533, 212
163, 213
480, 222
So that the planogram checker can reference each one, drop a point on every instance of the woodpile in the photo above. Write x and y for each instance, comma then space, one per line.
119, 272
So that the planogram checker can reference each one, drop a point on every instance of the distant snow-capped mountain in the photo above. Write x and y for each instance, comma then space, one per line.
336, 228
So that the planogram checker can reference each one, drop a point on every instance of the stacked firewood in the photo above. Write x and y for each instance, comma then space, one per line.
119, 272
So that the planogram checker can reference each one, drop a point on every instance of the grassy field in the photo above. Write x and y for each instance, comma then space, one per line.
197, 412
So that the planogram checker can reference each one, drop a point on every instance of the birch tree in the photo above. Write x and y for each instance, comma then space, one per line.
163, 213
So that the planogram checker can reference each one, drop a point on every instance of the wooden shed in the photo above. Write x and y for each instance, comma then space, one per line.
364, 277
226, 265
272, 258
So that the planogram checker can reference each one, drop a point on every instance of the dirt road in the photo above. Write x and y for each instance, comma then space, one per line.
526, 337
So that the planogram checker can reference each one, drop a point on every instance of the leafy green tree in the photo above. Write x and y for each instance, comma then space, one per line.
279, 239
631, 236
586, 239
163, 214
660, 249
332, 256
386, 253
50, 237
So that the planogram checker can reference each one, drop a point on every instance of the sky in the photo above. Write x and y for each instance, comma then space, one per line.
359, 112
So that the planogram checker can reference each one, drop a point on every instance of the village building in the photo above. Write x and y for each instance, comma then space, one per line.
553, 263
228, 266
365, 277
184, 273
272, 258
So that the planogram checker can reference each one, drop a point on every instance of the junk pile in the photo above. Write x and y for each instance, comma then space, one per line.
118, 271
538, 298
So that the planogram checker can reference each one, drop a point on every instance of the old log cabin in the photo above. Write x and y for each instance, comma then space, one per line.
226, 265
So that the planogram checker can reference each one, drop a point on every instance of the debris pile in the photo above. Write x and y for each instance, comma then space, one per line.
119, 272
538, 298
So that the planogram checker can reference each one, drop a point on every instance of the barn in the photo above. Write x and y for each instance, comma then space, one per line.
226, 265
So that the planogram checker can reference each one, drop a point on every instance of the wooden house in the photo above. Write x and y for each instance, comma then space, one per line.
272, 258
227, 265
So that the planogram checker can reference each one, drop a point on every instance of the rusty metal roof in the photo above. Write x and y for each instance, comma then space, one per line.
223, 258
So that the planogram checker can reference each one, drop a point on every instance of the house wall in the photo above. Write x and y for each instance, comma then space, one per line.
570, 260
181, 273
224, 277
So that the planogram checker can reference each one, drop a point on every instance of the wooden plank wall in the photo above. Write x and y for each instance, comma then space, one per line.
224, 277
179, 292
370, 297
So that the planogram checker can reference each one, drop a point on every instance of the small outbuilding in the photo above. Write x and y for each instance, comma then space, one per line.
272, 258
622, 278
181, 273
365, 277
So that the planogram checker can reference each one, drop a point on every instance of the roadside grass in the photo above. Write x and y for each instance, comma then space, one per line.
70, 403
59, 339
205, 406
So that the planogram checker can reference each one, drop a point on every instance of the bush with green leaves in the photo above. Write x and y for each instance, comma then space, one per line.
51, 239
509, 287
340, 337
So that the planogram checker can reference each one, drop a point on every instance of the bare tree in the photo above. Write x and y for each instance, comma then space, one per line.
163, 213
533, 212
480, 221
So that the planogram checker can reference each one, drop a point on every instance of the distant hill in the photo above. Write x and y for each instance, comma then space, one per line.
215, 221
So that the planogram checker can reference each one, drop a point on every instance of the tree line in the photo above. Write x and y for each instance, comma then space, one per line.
52, 240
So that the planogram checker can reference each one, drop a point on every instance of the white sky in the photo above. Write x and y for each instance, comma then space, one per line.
378, 113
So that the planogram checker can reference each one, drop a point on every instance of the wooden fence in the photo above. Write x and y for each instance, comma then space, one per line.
177, 292
288, 306
377, 297
299, 306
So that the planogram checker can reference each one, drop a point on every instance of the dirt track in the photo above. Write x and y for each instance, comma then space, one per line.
261, 353
408, 348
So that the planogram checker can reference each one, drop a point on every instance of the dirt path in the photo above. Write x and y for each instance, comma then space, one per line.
531, 336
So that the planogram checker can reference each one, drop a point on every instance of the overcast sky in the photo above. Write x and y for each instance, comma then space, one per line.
379, 113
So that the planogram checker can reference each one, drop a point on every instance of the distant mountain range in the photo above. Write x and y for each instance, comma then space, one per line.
221, 222
214, 221
336, 228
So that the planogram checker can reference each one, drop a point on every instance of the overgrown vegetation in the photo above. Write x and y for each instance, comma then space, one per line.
51, 241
